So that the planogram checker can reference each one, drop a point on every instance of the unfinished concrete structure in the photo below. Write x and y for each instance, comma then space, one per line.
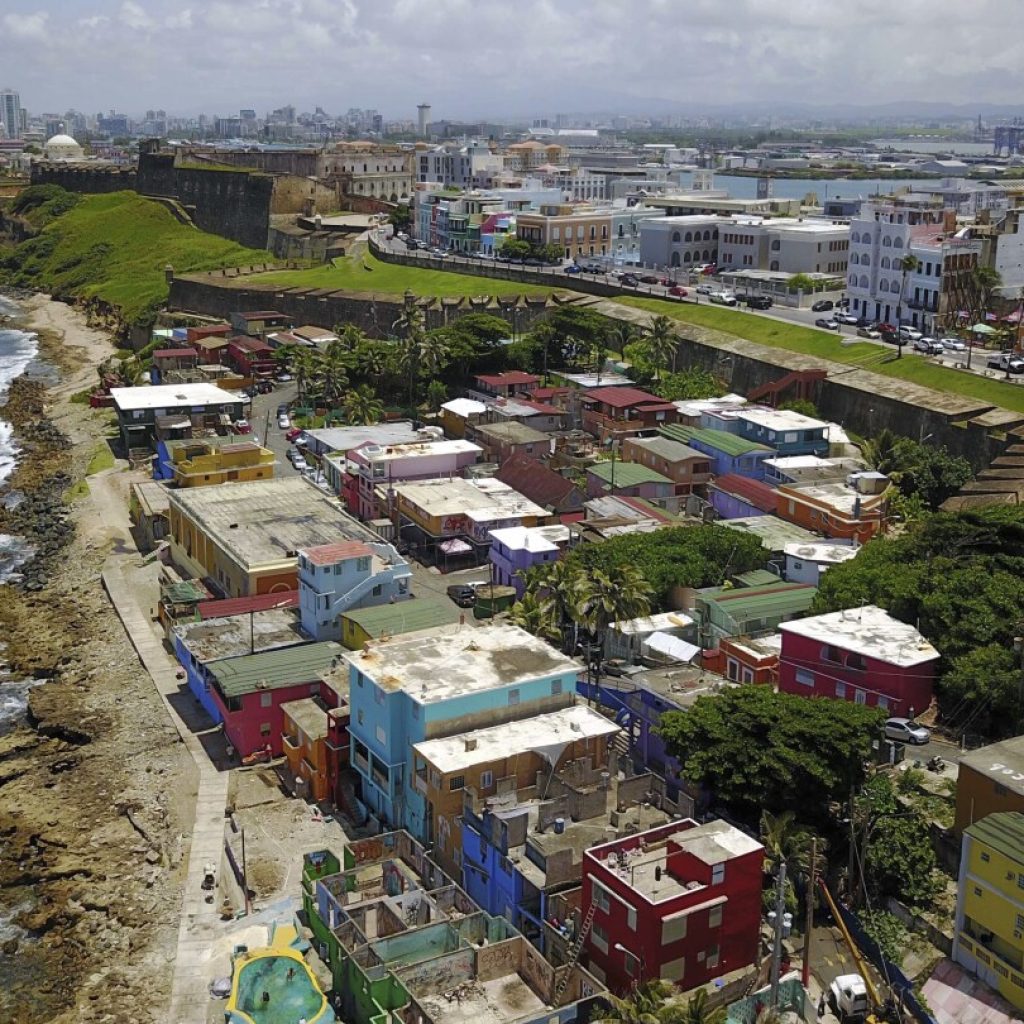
404, 943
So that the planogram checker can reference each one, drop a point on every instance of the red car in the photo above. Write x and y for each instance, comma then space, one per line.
677, 289
294, 433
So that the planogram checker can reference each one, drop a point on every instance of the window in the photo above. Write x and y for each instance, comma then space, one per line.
382, 736
629, 963
360, 716
456, 782
486, 780
265, 729
883, 702
804, 678
1020, 923
717, 874
266, 699
599, 937
977, 890
711, 958
860, 697
673, 928
378, 695
674, 969
556, 687
841, 690
715, 917
513, 696
985, 858
415, 710
856, 662
363, 565
1020, 881
631, 917
600, 897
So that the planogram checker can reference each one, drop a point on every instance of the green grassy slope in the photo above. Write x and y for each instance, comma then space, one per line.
912, 368
114, 247
367, 274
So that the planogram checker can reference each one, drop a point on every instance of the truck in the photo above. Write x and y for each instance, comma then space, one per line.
848, 997
1009, 362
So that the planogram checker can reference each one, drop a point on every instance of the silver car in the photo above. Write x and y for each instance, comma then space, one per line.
905, 730
953, 344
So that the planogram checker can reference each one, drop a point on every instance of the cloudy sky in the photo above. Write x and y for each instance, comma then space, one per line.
506, 57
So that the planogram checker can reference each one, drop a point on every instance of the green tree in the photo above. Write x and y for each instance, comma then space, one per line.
800, 283
757, 750
437, 395
651, 1002
689, 385
335, 363
307, 366
372, 359
401, 217
623, 333
516, 249
606, 597
985, 281
802, 406
558, 586
784, 838
907, 265
698, 1012
351, 337
362, 406
662, 343
536, 616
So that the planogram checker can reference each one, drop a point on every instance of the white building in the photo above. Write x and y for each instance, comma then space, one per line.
807, 563
62, 148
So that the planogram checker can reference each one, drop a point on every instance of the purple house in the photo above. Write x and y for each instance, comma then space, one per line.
629, 478
515, 548
737, 497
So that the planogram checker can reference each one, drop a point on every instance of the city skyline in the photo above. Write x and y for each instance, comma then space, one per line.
471, 62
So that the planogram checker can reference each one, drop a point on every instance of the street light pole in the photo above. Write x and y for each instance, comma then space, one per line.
780, 907
805, 974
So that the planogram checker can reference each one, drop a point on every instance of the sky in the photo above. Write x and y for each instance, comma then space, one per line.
476, 58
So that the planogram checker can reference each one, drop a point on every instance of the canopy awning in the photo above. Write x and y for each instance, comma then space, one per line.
980, 328
455, 546
671, 646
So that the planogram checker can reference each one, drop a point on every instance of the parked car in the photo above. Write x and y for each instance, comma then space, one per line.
573, 269
1006, 361
283, 422
845, 318
648, 279
869, 332
462, 594
953, 344
822, 306
282, 409
243, 427
283, 378
723, 298
704, 289
888, 332
293, 435
827, 323
909, 333
906, 730
929, 346
759, 302
300, 464
677, 289
629, 280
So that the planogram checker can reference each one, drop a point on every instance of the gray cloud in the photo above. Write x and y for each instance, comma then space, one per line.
476, 57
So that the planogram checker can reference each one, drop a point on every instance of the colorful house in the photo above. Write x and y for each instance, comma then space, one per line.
618, 412
834, 509
517, 548
807, 563
629, 478
729, 453
988, 938
251, 357
788, 432
744, 659
406, 690
503, 385
459, 413
749, 611
359, 625
681, 902
315, 741
541, 485
250, 691
862, 655
736, 497
504, 440
989, 779
334, 578
687, 468
198, 464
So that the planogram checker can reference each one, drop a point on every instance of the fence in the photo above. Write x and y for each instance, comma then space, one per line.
902, 986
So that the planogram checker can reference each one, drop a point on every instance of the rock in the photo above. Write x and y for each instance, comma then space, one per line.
10, 947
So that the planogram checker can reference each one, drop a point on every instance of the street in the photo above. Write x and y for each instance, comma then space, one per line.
263, 417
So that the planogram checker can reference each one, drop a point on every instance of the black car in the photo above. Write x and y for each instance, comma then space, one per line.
648, 279
758, 302
462, 594
822, 306
282, 409
629, 280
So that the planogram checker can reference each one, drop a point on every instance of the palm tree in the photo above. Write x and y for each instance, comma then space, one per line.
985, 281
434, 354
362, 406
535, 616
305, 364
907, 265
651, 1002
351, 337
662, 343
603, 597
558, 584
336, 361
887, 453
622, 334
372, 358
698, 1012
785, 839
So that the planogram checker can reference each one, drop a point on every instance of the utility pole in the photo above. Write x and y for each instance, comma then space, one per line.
245, 877
805, 976
780, 907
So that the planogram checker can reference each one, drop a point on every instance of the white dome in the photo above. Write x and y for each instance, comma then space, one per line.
62, 147
61, 140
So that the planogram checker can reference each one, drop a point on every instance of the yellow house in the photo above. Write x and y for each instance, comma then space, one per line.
200, 464
989, 936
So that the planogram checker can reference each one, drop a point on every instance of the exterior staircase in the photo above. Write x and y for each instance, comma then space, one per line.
803, 381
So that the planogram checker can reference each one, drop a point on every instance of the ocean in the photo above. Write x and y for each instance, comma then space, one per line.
17, 350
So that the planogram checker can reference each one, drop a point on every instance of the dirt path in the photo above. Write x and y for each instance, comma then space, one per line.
96, 793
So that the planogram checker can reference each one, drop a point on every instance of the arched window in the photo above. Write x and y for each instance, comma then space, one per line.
774, 265
898, 243
863, 280
675, 260
866, 237
865, 260
883, 286
707, 235
855, 237
686, 258
707, 255
853, 280
622, 231
675, 236
714, 234
689, 237
776, 245
887, 241
885, 263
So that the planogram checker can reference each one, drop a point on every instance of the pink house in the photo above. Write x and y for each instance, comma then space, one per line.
373, 467
861, 654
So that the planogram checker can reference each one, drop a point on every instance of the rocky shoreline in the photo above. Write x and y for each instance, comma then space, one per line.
91, 832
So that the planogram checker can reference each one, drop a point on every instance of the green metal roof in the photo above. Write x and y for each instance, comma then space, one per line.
271, 670
1003, 831
757, 578
770, 602
185, 592
667, 448
627, 474
720, 440
404, 616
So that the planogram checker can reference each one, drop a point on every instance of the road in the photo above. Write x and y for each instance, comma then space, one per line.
263, 417
784, 314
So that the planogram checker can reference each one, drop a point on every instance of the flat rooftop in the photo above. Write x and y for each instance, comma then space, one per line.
595, 380
773, 532
557, 729
780, 419
835, 494
164, 396
500, 1000
213, 639
535, 539
513, 432
341, 439
417, 450
465, 407
152, 496
482, 500
868, 630
309, 716
653, 623
831, 554
264, 522
435, 668
1003, 761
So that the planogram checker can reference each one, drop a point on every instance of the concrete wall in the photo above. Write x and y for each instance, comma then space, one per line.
499, 960
84, 178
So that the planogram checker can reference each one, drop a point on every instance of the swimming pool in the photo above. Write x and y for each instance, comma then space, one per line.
283, 977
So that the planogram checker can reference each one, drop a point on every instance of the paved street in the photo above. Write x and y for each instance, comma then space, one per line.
263, 417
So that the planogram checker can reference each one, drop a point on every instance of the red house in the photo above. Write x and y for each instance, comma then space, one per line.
680, 902
619, 412
503, 385
251, 357
861, 654
249, 691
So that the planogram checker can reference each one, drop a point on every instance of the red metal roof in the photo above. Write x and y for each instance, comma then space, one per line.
753, 492
328, 554
244, 605
535, 481
623, 398
243, 341
168, 353
542, 393
261, 314
511, 378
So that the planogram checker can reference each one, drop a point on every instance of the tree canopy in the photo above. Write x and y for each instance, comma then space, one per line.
756, 750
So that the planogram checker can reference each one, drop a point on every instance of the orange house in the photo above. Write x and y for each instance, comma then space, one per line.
833, 509
304, 739
744, 659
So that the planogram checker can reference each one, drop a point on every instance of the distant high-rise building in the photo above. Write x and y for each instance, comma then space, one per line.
10, 112
423, 111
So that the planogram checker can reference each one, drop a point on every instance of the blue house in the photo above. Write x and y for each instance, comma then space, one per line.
788, 432
729, 453
407, 690
200, 645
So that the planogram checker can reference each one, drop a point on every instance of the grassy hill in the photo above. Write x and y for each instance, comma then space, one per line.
364, 273
114, 247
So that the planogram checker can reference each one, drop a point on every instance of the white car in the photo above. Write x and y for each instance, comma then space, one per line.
300, 464
723, 298
283, 422
905, 730
846, 318
910, 333
929, 346
953, 344
704, 289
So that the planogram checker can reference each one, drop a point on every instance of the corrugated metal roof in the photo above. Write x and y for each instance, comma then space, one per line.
622, 397
720, 440
272, 670
1003, 831
627, 474
244, 605
671, 451
760, 602
404, 616
751, 492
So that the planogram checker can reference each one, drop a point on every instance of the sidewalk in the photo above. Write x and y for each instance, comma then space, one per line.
200, 922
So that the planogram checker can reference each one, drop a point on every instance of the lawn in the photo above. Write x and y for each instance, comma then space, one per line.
912, 368
368, 274
115, 247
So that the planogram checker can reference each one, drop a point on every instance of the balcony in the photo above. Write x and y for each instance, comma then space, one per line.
990, 949
290, 742
361, 763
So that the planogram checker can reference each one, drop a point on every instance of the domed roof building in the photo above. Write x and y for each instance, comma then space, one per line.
62, 147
